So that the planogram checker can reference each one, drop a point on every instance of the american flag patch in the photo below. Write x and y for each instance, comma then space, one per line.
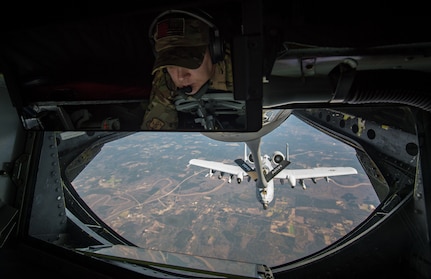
170, 27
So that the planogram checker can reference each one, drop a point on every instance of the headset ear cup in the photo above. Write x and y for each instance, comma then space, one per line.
216, 47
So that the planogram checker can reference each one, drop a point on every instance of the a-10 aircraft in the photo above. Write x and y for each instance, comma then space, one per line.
273, 167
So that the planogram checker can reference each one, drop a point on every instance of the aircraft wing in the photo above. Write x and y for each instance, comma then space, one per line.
217, 166
315, 172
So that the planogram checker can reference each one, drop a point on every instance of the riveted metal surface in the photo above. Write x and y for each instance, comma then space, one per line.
391, 163
47, 221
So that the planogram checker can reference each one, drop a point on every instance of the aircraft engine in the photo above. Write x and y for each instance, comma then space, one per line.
220, 176
250, 158
239, 178
277, 157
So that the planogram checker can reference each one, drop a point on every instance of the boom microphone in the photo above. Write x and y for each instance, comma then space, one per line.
186, 89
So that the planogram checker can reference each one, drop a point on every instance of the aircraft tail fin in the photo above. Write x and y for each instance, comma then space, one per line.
287, 152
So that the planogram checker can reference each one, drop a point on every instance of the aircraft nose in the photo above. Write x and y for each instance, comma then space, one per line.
265, 206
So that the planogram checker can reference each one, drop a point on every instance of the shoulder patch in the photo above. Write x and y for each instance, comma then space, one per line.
155, 124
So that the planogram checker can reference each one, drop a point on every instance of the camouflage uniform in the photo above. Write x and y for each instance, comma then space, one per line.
181, 42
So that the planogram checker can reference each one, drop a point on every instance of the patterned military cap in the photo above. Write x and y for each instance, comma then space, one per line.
180, 42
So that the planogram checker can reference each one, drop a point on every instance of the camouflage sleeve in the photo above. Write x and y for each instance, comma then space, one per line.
223, 75
160, 113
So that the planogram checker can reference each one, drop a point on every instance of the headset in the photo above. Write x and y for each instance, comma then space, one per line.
216, 44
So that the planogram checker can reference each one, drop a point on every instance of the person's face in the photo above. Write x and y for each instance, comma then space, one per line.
194, 78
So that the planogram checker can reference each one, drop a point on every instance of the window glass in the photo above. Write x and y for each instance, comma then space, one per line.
143, 187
